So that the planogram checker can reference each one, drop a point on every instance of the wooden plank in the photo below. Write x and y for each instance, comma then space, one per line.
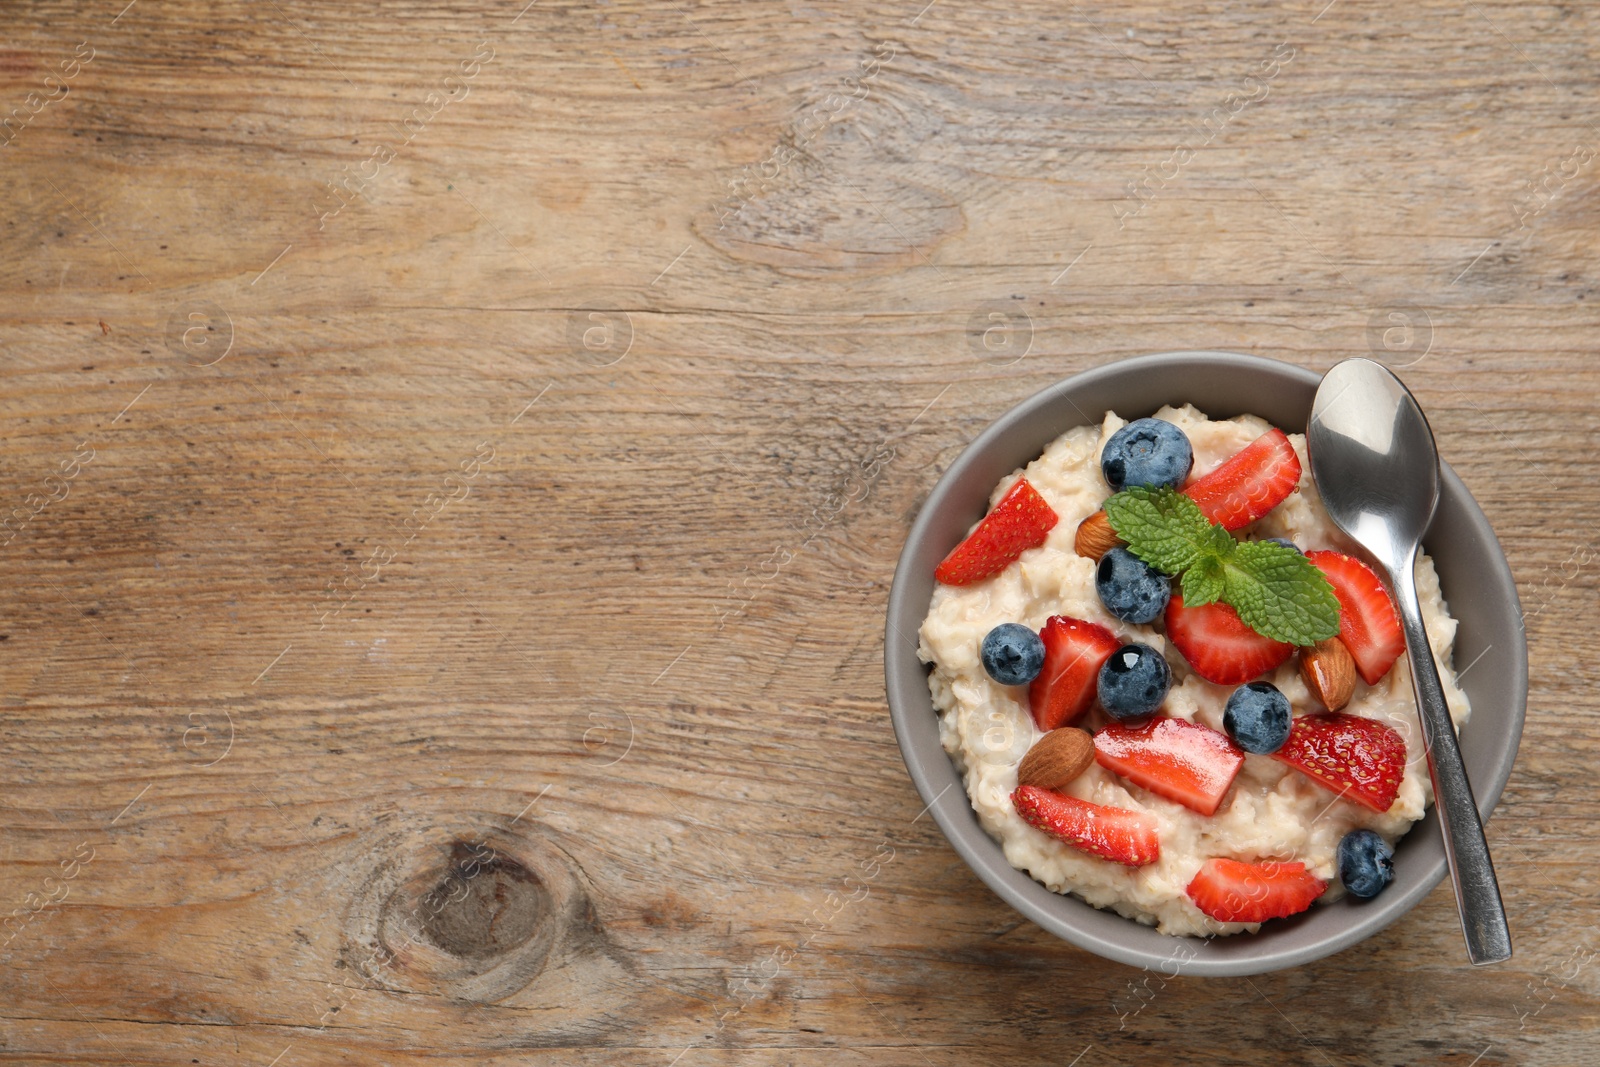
492, 431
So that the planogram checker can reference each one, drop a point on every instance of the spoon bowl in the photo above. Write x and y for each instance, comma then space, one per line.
1365, 420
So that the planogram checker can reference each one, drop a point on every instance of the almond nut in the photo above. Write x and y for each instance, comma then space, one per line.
1329, 672
1096, 537
1057, 758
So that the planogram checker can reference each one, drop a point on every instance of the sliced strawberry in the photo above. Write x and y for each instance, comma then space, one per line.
1115, 834
1174, 758
1019, 522
1074, 652
1361, 759
1232, 891
1368, 625
1219, 646
1250, 484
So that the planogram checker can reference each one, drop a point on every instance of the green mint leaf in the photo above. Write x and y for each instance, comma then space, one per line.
1204, 582
1165, 528
1222, 542
1280, 594
1276, 591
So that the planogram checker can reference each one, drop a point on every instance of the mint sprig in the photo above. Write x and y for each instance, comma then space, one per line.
1276, 591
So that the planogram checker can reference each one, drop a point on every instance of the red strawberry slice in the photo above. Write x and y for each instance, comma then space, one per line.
1183, 761
1361, 759
1115, 834
1368, 625
1074, 652
1232, 891
1019, 522
1219, 646
1250, 484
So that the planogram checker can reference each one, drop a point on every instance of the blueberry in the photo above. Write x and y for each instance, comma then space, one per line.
1130, 588
1012, 654
1257, 717
1285, 542
1146, 452
1366, 863
1134, 682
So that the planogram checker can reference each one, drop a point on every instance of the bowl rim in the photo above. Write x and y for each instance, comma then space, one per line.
952, 810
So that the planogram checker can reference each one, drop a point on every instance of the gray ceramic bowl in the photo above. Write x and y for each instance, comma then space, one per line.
1477, 584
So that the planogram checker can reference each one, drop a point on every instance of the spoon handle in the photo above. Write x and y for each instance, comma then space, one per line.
1483, 916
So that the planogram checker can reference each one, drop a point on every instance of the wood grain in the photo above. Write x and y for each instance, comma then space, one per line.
458, 639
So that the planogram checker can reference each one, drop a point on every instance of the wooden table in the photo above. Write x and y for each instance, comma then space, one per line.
457, 454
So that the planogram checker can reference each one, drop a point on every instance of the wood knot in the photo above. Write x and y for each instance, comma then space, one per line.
485, 905
813, 221
480, 915
814, 199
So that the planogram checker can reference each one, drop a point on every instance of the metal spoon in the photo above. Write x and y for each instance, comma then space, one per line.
1376, 467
